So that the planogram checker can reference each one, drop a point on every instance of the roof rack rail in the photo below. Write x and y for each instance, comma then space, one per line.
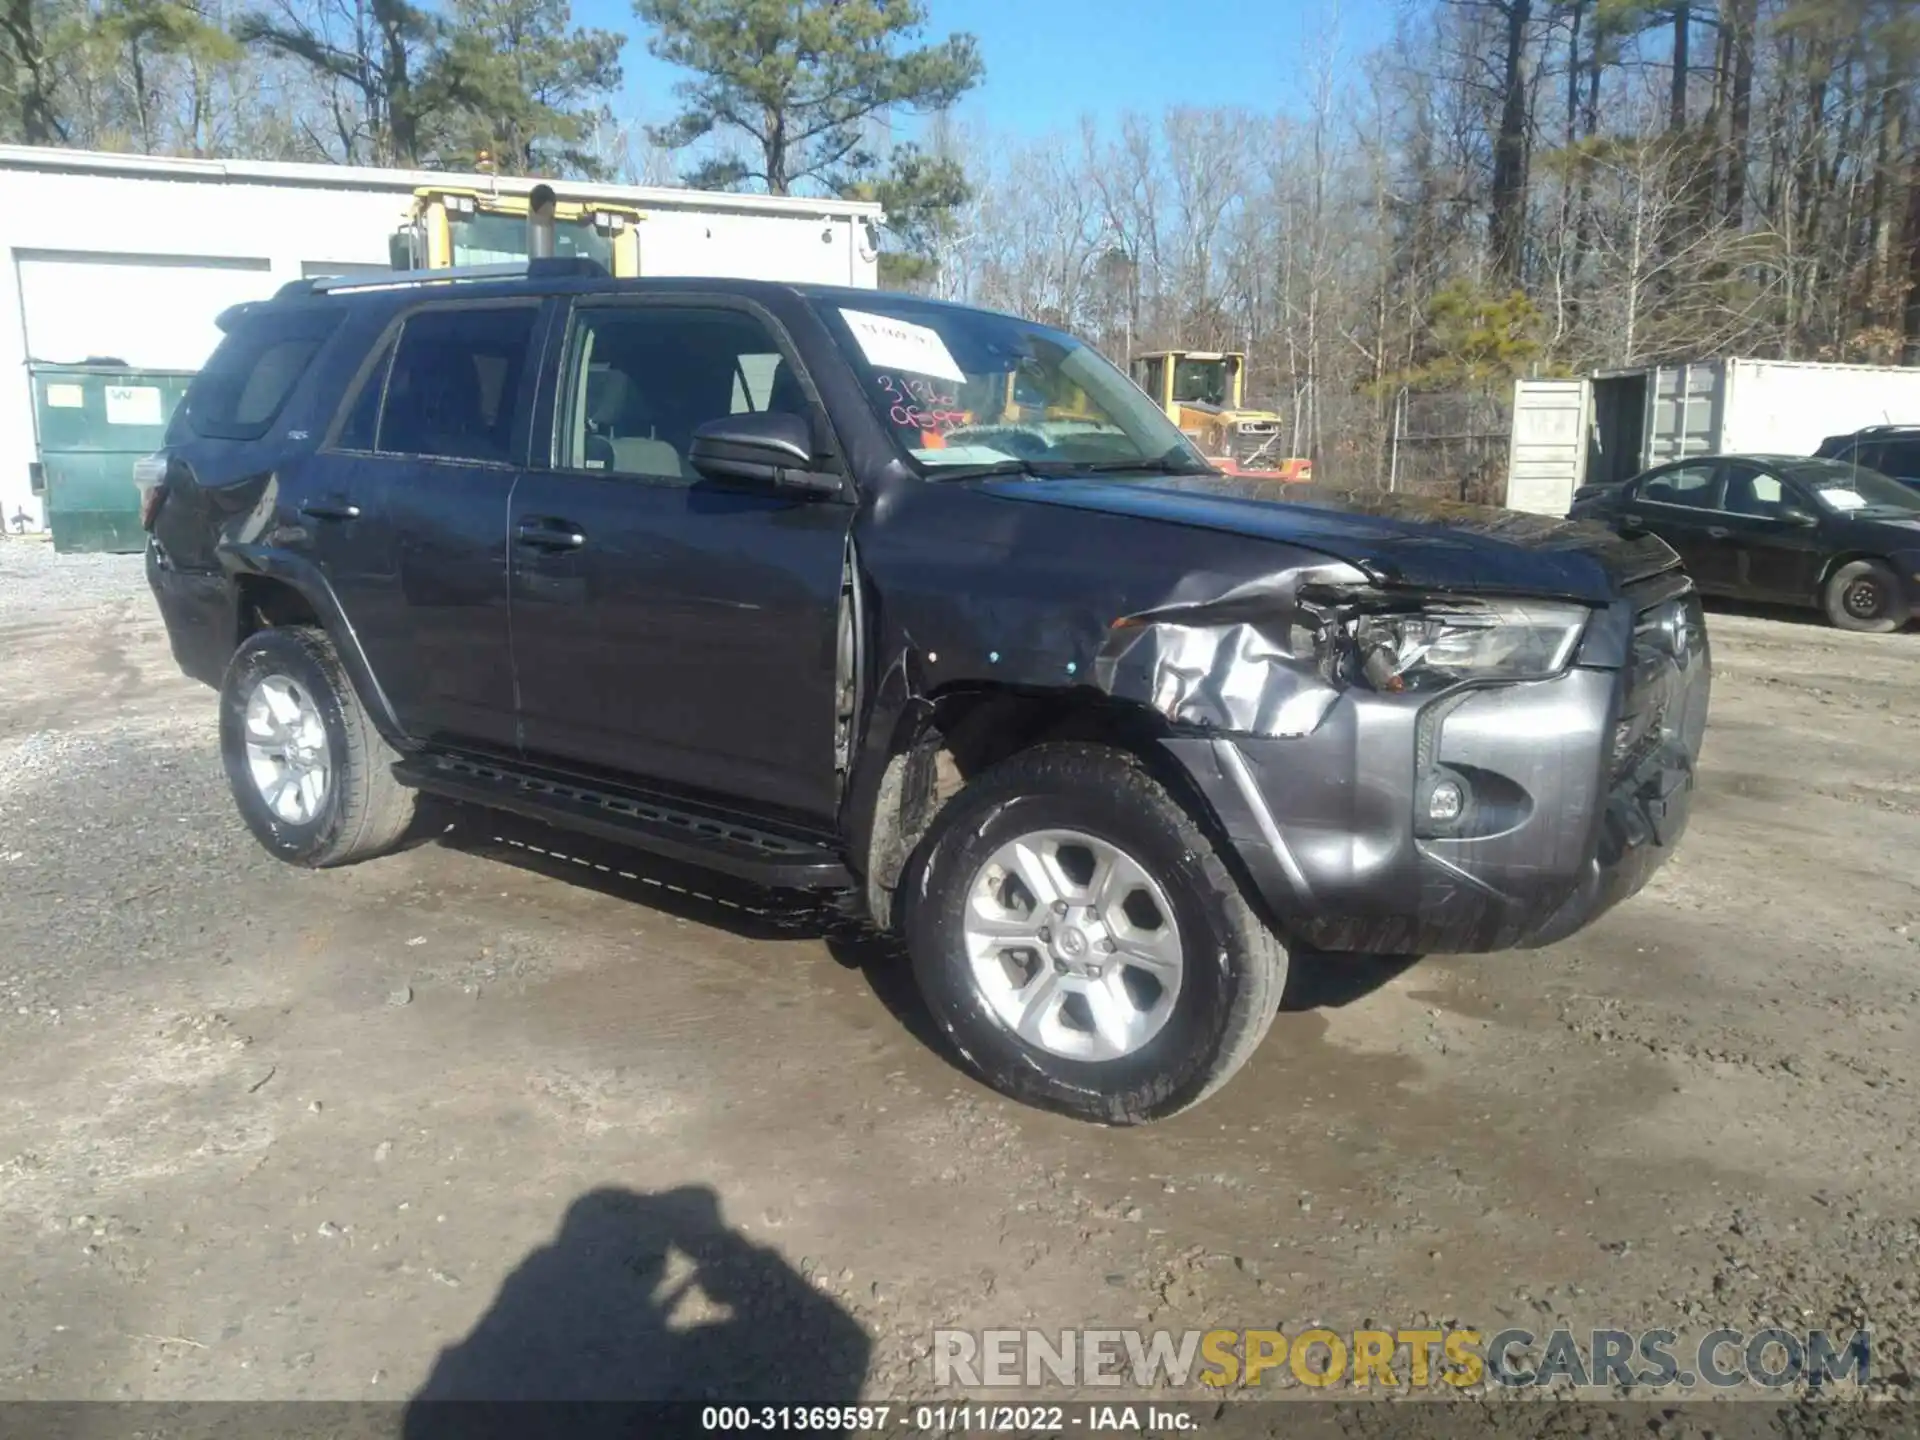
550, 268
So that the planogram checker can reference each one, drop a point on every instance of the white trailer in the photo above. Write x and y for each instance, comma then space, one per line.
132, 256
1611, 425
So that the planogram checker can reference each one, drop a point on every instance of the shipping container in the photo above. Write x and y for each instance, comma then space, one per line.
1611, 425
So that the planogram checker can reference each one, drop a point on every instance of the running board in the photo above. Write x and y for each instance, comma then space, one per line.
713, 841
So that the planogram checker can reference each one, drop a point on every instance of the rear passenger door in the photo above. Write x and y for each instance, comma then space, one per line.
413, 513
667, 627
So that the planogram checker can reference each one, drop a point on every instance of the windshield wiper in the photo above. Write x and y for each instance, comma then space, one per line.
1162, 466
1174, 462
981, 472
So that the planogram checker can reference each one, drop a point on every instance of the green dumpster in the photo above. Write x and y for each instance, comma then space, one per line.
92, 422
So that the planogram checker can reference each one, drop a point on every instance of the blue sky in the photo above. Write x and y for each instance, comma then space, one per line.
1050, 61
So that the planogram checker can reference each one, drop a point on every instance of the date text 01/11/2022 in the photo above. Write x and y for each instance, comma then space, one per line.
948, 1419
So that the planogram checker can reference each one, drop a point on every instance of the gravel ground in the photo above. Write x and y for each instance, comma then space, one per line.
34, 582
503, 1114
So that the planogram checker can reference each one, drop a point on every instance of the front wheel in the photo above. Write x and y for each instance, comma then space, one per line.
1082, 944
1865, 595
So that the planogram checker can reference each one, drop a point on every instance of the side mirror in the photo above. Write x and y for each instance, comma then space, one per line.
1794, 515
771, 449
401, 249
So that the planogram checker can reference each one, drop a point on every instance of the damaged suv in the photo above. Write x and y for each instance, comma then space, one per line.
929, 607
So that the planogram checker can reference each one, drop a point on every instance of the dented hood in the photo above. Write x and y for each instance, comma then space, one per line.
1396, 539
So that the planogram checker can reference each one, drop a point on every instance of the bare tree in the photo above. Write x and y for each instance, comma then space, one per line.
1565, 183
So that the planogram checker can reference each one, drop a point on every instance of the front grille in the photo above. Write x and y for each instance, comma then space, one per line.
1257, 442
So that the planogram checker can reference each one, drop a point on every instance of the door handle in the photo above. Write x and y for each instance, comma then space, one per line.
1718, 532
550, 534
330, 510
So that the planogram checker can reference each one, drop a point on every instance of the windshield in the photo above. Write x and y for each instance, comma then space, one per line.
1201, 382
966, 389
484, 238
1849, 487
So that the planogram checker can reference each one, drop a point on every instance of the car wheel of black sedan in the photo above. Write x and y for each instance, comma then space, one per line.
1865, 595
311, 776
1081, 943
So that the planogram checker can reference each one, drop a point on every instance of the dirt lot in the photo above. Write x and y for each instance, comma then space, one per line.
267, 1133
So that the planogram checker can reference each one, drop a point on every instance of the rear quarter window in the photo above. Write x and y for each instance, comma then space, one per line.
243, 388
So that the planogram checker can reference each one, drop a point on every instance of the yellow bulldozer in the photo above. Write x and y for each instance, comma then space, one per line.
446, 226
1201, 392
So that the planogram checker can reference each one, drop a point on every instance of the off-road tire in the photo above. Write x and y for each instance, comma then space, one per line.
1839, 598
365, 811
1235, 968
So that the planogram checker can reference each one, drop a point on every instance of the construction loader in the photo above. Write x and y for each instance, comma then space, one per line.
447, 226
1201, 392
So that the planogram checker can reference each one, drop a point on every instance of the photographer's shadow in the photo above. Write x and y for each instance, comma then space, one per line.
643, 1298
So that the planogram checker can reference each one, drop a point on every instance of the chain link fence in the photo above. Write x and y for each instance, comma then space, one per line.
1450, 446
1343, 434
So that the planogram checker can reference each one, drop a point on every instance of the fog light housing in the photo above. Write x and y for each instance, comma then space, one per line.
1446, 805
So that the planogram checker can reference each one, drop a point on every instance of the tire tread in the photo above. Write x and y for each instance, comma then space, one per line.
375, 810
1832, 603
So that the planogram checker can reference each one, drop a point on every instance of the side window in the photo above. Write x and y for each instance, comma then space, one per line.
455, 383
1900, 459
361, 427
1688, 485
242, 388
754, 380
641, 380
1754, 491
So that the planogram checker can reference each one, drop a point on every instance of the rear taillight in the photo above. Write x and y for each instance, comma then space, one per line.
150, 476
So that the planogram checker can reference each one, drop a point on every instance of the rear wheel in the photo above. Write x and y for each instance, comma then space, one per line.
311, 776
1865, 595
1082, 944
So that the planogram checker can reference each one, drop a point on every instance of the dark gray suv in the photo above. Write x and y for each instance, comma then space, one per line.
924, 606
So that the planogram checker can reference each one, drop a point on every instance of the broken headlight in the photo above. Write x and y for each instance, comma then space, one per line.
1444, 642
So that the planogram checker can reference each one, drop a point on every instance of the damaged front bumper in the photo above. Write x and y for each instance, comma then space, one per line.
1563, 795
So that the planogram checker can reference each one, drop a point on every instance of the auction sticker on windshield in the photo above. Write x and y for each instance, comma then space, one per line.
1844, 499
897, 345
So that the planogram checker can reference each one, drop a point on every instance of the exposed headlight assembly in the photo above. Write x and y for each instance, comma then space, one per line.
1436, 643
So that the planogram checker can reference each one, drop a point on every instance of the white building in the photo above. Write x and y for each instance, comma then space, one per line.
132, 257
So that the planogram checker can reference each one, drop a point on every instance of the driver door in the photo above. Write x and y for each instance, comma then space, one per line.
1778, 556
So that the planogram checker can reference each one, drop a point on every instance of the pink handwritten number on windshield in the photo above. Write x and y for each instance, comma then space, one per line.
916, 405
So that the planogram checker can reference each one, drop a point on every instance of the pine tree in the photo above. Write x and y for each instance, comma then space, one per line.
524, 86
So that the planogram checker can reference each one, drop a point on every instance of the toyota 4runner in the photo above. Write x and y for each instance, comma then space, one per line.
918, 604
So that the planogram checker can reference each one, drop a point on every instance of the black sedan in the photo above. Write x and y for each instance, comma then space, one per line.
1783, 528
